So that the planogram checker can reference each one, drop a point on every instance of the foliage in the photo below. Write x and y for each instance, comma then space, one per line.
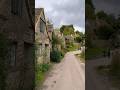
41, 69
110, 19
105, 32
55, 56
67, 29
3, 51
79, 37
92, 53
71, 47
102, 15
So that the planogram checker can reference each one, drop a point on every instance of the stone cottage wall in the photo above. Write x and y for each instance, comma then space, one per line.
18, 30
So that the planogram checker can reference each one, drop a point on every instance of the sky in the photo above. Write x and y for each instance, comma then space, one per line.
64, 12
109, 6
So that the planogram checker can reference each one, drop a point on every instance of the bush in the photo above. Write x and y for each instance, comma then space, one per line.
55, 56
43, 67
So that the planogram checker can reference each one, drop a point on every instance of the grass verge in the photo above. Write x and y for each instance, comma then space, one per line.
81, 57
93, 53
41, 71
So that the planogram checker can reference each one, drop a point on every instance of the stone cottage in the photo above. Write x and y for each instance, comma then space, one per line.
62, 39
50, 30
42, 37
17, 24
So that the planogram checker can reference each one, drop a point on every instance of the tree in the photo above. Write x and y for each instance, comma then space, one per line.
79, 37
110, 19
67, 29
105, 32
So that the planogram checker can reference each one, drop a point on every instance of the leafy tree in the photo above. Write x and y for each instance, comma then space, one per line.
79, 37
101, 15
105, 32
67, 29
110, 19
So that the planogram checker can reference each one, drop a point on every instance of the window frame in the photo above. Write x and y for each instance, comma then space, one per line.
42, 25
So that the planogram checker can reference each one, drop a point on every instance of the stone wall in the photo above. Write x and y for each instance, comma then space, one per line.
42, 40
18, 30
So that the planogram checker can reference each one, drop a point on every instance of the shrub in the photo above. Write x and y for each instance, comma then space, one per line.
55, 56
43, 67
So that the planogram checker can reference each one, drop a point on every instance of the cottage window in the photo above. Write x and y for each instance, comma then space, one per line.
42, 26
12, 54
16, 7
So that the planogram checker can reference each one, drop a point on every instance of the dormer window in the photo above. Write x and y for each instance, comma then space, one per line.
42, 26
16, 7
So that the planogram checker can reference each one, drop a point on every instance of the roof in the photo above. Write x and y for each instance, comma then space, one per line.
30, 5
38, 12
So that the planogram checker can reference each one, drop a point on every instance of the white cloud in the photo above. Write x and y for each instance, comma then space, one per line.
64, 11
79, 29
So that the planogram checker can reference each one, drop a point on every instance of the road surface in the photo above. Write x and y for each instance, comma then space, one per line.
67, 75
95, 81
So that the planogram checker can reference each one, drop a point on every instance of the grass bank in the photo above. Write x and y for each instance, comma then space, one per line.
92, 53
81, 57
41, 72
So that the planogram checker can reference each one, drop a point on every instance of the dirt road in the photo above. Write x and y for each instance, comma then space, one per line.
95, 81
67, 75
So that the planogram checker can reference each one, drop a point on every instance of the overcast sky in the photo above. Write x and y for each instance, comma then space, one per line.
64, 12
109, 6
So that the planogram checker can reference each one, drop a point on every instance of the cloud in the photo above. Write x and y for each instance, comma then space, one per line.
109, 6
64, 11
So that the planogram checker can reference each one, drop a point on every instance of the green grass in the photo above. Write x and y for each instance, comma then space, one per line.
72, 48
93, 52
82, 55
40, 78
41, 71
